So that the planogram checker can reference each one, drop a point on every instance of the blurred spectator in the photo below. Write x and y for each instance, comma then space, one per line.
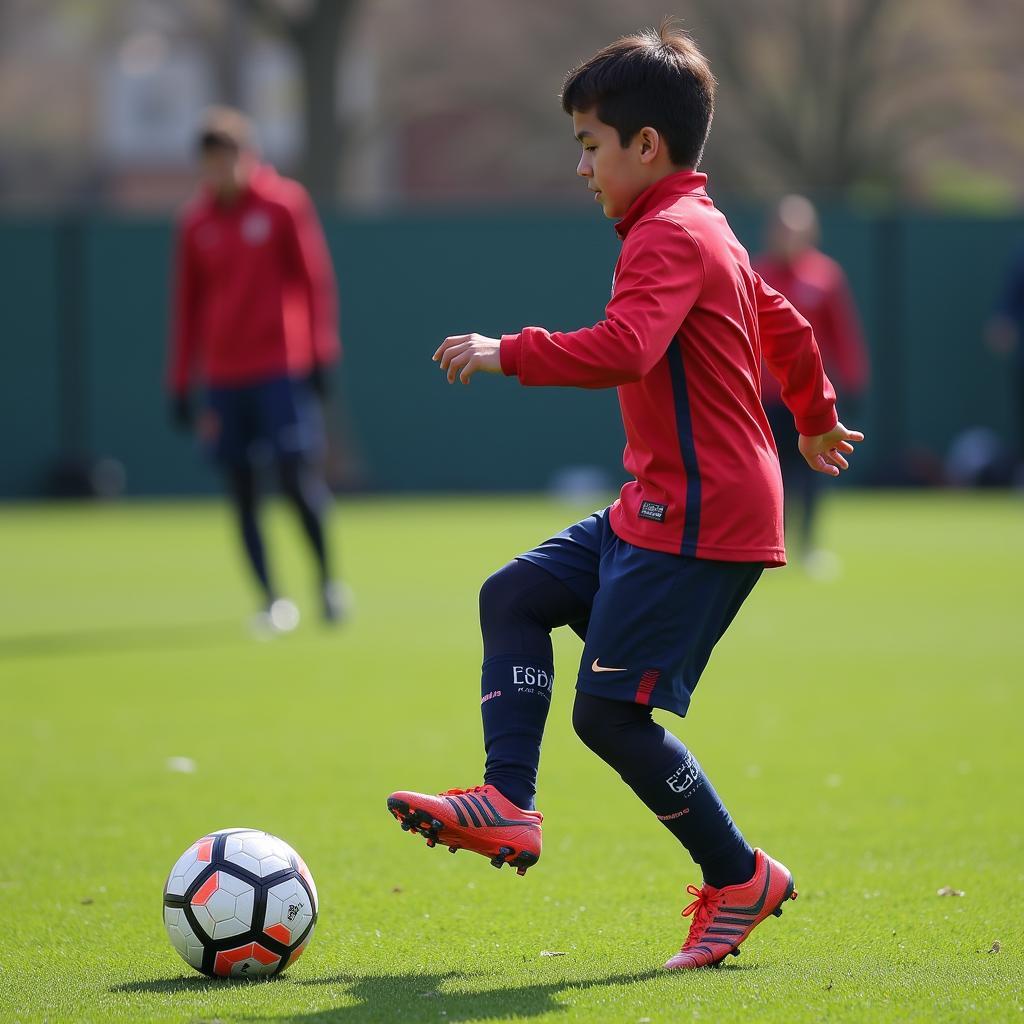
817, 287
1005, 337
256, 327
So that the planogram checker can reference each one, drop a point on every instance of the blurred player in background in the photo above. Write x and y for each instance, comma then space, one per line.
1005, 337
817, 287
255, 328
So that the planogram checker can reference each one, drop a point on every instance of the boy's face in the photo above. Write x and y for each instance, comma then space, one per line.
616, 174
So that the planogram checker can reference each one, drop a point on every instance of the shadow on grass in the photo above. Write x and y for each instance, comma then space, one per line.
118, 639
413, 997
183, 983
420, 997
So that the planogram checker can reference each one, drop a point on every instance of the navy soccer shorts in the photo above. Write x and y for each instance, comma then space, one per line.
279, 416
654, 617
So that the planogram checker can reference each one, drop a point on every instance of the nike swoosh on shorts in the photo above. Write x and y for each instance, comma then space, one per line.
601, 668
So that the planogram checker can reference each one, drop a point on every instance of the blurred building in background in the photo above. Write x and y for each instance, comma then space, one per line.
432, 136
375, 102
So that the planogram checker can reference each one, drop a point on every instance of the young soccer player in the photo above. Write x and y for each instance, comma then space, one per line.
652, 582
256, 326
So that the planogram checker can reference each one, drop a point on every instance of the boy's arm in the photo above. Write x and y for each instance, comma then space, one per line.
789, 349
659, 277
792, 356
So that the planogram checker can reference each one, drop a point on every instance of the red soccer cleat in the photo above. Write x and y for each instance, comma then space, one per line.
478, 819
723, 918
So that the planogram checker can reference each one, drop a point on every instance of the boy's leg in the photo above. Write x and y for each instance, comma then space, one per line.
552, 585
519, 606
653, 626
668, 779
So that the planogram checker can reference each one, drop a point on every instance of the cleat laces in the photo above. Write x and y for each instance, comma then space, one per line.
702, 909
461, 792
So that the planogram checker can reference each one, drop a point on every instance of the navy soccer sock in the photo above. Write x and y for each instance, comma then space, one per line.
242, 483
668, 779
519, 606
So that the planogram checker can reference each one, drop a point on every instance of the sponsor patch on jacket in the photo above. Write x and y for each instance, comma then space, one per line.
653, 510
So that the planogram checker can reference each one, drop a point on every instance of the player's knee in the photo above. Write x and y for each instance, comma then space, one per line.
500, 595
592, 724
607, 726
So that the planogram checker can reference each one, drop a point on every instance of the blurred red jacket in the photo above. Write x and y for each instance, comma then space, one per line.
816, 285
254, 291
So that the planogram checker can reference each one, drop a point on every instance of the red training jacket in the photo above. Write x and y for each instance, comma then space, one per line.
682, 340
816, 285
254, 287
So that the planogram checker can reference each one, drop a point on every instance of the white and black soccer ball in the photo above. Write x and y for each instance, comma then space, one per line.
240, 903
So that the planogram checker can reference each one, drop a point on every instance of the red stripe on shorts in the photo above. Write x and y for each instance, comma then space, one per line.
647, 683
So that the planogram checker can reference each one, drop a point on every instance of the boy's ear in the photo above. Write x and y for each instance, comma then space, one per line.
650, 144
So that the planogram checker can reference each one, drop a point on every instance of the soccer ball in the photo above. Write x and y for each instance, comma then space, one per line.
240, 903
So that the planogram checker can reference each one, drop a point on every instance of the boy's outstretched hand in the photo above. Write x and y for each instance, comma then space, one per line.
825, 453
462, 355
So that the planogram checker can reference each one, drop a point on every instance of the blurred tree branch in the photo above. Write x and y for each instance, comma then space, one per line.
317, 30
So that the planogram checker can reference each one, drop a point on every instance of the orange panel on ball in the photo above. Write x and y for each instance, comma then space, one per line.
279, 932
208, 889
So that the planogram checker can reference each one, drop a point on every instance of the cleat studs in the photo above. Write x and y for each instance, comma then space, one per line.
795, 894
431, 843
497, 861
453, 849
406, 826
777, 912
506, 851
520, 871
435, 824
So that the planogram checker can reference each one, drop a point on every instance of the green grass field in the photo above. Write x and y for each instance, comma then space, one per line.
866, 731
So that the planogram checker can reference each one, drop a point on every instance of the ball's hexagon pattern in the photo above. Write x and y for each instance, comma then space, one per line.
184, 940
248, 961
223, 905
211, 896
189, 866
289, 911
258, 852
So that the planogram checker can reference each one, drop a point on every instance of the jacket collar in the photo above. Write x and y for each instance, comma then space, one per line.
680, 183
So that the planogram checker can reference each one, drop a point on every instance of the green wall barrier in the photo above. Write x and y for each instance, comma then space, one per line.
86, 305
30, 413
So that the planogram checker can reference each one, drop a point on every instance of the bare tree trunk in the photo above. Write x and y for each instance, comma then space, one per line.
318, 40
317, 36
228, 46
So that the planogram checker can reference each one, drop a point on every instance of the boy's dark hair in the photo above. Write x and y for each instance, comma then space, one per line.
657, 78
224, 128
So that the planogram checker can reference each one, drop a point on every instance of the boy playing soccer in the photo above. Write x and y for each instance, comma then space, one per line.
651, 583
